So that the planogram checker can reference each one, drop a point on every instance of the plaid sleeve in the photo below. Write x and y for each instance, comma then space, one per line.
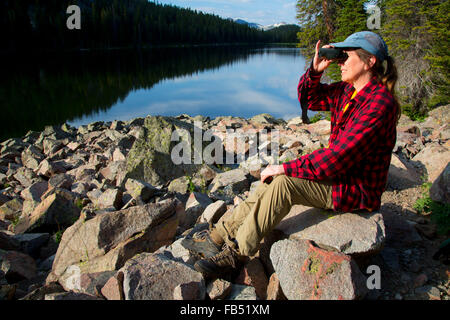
317, 96
349, 148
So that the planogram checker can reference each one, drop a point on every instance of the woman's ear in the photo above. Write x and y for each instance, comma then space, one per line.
372, 61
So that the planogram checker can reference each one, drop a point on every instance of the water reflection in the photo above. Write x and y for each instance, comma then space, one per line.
212, 81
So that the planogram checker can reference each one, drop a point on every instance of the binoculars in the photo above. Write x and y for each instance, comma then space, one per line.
337, 54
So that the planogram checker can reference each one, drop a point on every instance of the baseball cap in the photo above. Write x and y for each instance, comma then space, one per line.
367, 40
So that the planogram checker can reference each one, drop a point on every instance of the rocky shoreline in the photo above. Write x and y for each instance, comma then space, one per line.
100, 212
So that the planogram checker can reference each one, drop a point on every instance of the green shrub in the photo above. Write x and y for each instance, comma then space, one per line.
440, 212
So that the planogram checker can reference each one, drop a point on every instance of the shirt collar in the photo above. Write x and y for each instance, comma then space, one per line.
365, 92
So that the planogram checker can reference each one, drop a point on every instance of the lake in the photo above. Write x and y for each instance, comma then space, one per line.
240, 81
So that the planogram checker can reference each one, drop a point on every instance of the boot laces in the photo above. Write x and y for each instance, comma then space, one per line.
227, 254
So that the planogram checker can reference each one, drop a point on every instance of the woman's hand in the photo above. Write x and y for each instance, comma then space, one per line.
270, 171
320, 64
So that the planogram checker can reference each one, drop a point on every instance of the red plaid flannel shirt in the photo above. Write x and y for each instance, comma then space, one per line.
360, 146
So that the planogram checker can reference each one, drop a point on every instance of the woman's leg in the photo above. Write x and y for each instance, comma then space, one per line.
267, 206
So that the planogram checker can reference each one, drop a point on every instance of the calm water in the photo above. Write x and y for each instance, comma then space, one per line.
122, 85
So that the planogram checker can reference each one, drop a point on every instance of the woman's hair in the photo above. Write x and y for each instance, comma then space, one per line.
386, 75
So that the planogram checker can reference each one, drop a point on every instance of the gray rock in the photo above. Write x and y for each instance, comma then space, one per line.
230, 183
219, 289
150, 158
61, 180
35, 191
140, 189
7, 241
11, 210
434, 158
348, 233
25, 176
180, 185
39, 293
70, 296
110, 198
155, 277
17, 266
440, 189
106, 241
194, 208
56, 211
241, 292
31, 157
31, 243
307, 272
48, 168
46, 265
213, 212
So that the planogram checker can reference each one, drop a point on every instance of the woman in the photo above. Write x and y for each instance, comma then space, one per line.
348, 175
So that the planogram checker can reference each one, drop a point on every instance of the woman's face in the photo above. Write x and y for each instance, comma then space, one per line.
353, 68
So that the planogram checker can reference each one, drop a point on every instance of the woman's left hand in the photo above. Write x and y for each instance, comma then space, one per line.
270, 171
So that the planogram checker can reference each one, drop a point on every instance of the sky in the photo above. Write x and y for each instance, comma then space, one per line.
263, 12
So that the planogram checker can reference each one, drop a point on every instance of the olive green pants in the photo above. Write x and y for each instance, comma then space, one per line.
252, 219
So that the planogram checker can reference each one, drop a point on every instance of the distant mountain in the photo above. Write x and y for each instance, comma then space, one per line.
259, 26
273, 26
250, 24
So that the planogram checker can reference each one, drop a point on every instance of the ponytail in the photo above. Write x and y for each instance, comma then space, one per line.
389, 79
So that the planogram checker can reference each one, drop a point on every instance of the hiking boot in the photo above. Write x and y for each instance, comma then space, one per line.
223, 262
203, 244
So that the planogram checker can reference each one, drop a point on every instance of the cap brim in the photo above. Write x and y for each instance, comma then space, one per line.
345, 45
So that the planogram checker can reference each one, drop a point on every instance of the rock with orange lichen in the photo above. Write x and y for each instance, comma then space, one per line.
307, 272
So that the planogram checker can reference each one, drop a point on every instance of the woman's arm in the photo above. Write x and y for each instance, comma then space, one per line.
312, 94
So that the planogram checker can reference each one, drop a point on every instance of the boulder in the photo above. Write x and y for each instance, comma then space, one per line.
230, 183
241, 292
218, 289
307, 272
213, 212
31, 157
17, 266
435, 158
440, 189
322, 127
25, 176
7, 241
11, 210
140, 189
70, 296
274, 291
35, 191
253, 275
113, 288
180, 185
39, 293
401, 175
106, 241
49, 168
349, 233
56, 211
61, 180
111, 198
90, 283
150, 159
195, 205
155, 277
31, 243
